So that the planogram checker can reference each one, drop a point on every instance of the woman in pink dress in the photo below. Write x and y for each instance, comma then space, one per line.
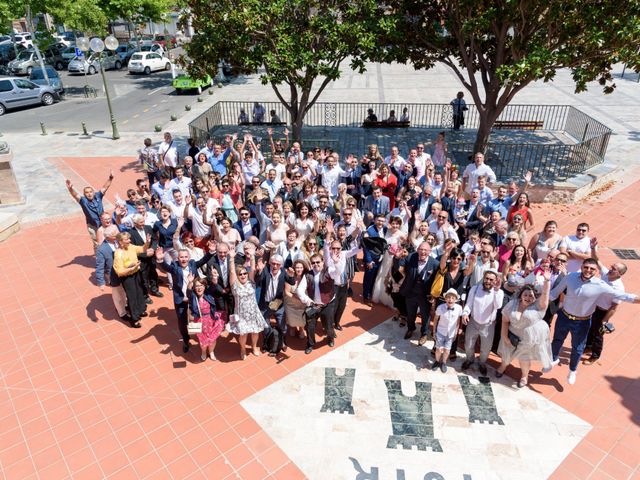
440, 150
204, 311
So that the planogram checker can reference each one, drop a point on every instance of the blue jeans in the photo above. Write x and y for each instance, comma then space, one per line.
579, 331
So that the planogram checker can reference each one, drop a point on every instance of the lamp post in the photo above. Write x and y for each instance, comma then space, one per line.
97, 45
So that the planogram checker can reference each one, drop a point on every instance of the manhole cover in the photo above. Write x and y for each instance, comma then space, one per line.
626, 254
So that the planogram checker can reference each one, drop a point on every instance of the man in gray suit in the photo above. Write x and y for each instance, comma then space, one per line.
375, 204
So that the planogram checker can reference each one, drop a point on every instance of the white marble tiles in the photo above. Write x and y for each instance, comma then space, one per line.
371, 410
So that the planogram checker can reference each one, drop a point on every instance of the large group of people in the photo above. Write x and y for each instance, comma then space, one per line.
265, 244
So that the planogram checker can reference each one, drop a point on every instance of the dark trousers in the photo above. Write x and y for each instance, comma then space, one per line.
135, 297
595, 339
415, 302
458, 119
182, 312
341, 303
281, 324
497, 333
369, 280
400, 303
149, 275
579, 330
153, 177
326, 317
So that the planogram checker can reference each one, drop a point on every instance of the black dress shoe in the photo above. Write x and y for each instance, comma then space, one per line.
185, 348
148, 301
483, 370
156, 293
126, 318
144, 314
338, 327
409, 334
331, 342
435, 366
466, 364
136, 324
308, 350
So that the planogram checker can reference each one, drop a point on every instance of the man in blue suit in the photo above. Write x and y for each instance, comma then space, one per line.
247, 226
106, 275
374, 205
180, 271
420, 269
270, 282
372, 260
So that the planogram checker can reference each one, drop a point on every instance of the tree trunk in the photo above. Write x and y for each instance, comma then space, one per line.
487, 119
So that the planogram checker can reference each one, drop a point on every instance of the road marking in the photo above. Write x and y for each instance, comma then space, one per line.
154, 105
136, 115
146, 110
155, 91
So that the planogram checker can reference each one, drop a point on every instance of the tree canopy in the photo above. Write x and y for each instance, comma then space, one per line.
292, 43
497, 47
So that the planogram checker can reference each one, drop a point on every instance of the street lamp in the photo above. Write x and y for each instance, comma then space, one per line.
97, 45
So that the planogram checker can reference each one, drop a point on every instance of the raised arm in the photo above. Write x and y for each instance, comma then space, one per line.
72, 191
107, 184
543, 301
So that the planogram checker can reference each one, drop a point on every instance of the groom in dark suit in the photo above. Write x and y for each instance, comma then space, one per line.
270, 282
420, 269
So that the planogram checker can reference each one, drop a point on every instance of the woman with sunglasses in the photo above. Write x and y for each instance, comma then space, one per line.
227, 202
504, 251
310, 247
517, 226
545, 241
247, 320
523, 318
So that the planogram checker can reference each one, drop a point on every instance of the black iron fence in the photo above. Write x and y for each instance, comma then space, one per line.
584, 147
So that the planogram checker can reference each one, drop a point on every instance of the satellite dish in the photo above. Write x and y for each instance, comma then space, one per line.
96, 44
111, 42
82, 43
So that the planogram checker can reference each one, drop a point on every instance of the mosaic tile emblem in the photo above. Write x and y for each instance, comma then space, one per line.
370, 409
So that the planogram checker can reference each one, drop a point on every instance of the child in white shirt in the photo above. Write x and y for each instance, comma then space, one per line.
445, 325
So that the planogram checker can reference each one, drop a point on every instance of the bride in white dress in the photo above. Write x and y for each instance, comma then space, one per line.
394, 236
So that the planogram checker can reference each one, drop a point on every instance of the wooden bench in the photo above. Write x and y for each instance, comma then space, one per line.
384, 124
264, 124
518, 124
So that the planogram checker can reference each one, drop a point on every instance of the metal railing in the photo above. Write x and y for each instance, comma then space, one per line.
587, 145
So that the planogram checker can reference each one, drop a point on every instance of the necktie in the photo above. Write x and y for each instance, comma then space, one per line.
377, 207
223, 271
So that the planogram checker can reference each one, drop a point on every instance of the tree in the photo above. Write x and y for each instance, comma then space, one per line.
497, 47
296, 42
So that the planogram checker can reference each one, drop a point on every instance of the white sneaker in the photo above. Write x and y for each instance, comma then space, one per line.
555, 362
211, 355
203, 357
571, 378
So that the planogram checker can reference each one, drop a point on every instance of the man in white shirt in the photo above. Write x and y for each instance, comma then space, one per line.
199, 229
479, 315
290, 250
474, 170
331, 175
250, 167
577, 247
181, 182
150, 218
422, 160
178, 204
272, 184
442, 229
168, 152
395, 160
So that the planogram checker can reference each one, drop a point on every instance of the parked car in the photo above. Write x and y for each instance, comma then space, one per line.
5, 39
67, 38
8, 53
184, 82
125, 52
25, 39
27, 60
18, 92
167, 41
91, 65
37, 77
147, 62
67, 55
153, 47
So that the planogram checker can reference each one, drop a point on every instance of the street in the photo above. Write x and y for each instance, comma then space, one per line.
139, 102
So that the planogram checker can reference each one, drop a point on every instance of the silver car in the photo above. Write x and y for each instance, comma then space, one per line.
91, 65
19, 92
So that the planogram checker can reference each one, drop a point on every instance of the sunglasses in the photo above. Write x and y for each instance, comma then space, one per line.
316, 263
242, 274
512, 239
312, 244
561, 260
346, 214
336, 248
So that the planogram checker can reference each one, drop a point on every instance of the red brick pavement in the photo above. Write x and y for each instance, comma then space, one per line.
84, 396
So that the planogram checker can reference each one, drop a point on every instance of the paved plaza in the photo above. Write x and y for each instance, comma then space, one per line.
83, 396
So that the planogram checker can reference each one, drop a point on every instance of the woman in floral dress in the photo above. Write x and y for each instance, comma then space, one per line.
203, 310
247, 319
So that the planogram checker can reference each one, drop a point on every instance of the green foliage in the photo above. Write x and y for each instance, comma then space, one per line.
290, 42
497, 47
